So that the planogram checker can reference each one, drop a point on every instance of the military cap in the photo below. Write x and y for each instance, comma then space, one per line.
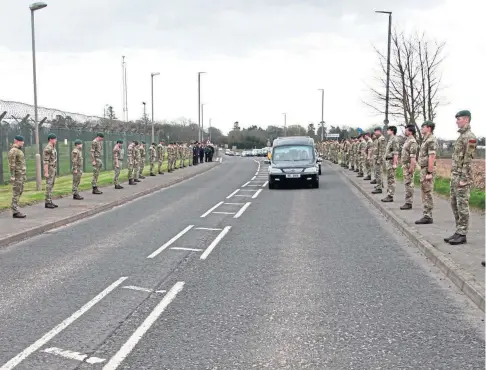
77, 142
135, 142
463, 113
428, 124
143, 142
100, 134
119, 141
378, 129
154, 144
19, 138
51, 136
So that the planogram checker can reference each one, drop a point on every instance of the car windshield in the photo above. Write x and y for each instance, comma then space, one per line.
293, 153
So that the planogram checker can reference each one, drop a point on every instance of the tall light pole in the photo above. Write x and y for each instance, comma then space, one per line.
387, 99
322, 115
153, 126
209, 129
202, 121
145, 118
199, 105
38, 175
285, 123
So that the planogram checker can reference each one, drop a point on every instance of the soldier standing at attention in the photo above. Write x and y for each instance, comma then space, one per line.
50, 168
18, 173
361, 155
391, 162
189, 153
142, 160
153, 157
131, 162
180, 153
96, 148
171, 153
367, 155
160, 156
461, 176
77, 163
427, 164
409, 156
116, 163
379, 154
136, 162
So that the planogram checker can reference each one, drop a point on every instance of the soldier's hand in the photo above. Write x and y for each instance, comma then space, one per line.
94, 163
462, 183
75, 171
12, 179
46, 174
394, 166
411, 170
428, 176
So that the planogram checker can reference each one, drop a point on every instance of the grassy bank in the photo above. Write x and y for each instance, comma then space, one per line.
442, 187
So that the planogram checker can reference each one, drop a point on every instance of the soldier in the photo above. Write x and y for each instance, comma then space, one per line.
77, 167
189, 153
50, 168
391, 162
136, 162
160, 156
142, 159
368, 152
131, 162
373, 152
409, 155
18, 174
182, 148
152, 157
427, 164
172, 153
362, 155
461, 177
379, 153
96, 148
116, 163
195, 151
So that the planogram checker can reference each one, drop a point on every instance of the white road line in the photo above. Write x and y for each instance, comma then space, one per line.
59, 328
130, 344
233, 193
241, 195
253, 178
256, 173
246, 190
215, 242
254, 185
210, 228
243, 209
265, 184
245, 184
225, 213
187, 249
256, 194
73, 355
154, 254
132, 287
234, 204
211, 209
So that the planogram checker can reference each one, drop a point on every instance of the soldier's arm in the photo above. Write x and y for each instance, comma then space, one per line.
413, 155
47, 156
432, 152
75, 160
92, 151
394, 149
466, 171
12, 159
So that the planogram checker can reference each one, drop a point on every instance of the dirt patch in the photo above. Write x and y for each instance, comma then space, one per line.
444, 170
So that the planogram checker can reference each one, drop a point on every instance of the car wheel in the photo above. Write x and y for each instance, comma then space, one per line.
320, 172
315, 184
271, 185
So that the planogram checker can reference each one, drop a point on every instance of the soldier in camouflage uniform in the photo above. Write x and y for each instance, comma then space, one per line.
361, 155
180, 154
77, 167
153, 158
183, 155
462, 177
172, 154
373, 151
160, 156
96, 149
136, 162
391, 163
426, 160
131, 162
189, 153
378, 158
50, 168
368, 152
18, 174
116, 163
408, 157
142, 160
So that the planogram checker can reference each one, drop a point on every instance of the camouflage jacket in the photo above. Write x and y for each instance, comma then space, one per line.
16, 162
116, 156
369, 147
153, 153
392, 148
77, 159
379, 150
142, 151
136, 152
463, 155
409, 150
131, 153
160, 152
50, 155
96, 148
428, 148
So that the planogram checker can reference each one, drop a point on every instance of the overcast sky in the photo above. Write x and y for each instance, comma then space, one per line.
263, 57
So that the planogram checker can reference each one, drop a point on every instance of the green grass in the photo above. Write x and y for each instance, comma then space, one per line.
442, 187
62, 187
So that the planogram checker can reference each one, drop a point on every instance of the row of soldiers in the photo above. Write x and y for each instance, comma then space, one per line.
177, 154
371, 154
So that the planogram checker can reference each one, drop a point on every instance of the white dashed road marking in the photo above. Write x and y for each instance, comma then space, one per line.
211, 209
215, 242
210, 228
170, 241
132, 287
243, 209
256, 194
265, 184
73, 355
187, 249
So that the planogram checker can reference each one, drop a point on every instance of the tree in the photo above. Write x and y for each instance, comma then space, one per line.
311, 130
236, 126
111, 113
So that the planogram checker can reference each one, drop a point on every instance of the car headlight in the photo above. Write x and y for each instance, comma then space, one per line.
274, 170
310, 170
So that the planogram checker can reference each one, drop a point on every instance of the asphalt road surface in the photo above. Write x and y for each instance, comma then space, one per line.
219, 272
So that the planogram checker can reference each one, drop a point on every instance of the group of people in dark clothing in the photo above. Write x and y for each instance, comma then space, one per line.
202, 152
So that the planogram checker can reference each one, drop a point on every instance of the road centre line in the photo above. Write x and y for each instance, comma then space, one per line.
234, 204
243, 209
243, 195
256, 194
130, 344
225, 213
245, 184
132, 287
256, 173
253, 178
60, 327
265, 184
233, 193
211, 228
73, 355
211, 209
215, 242
187, 249
170, 241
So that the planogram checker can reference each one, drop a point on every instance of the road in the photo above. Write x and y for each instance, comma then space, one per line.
219, 272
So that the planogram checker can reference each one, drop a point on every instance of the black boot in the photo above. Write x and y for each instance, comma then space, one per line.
387, 199
453, 236
131, 182
367, 178
96, 190
18, 215
406, 206
360, 175
141, 177
459, 239
77, 197
118, 186
373, 182
137, 180
425, 221
377, 191
152, 174
50, 205
161, 173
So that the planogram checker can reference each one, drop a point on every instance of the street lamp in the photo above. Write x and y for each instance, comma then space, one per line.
285, 123
199, 104
322, 115
152, 80
387, 99
145, 118
202, 121
209, 131
38, 178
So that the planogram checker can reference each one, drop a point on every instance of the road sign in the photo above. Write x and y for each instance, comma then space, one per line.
331, 136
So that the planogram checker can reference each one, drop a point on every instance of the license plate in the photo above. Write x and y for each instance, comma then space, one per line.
293, 176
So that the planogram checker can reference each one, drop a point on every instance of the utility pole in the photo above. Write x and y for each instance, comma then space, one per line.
199, 105
387, 98
285, 124
322, 115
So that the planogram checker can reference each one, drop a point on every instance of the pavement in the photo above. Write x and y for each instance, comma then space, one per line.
39, 219
219, 272
461, 263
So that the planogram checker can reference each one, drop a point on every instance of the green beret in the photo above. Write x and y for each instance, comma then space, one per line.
119, 141
143, 142
428, 124
77, 142
378, 129
463, 113
51, 136
19, 138
100, 134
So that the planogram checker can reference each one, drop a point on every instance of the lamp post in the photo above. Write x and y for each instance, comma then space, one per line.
199, 105
202, 121
152, 80
145, 118
322, 115
209, 130
387, 98
38, 175
285, 123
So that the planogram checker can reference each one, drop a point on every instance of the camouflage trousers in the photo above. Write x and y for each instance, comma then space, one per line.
460, 204
76, 180
136, 170
159, 168
17, 190
409, 183
181, 162
50, 182
390, 178
426, 187
131, 167
152, 166
378, 175
141, 167
96, 172
117, 175
172, 161
362, 164
368, 166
